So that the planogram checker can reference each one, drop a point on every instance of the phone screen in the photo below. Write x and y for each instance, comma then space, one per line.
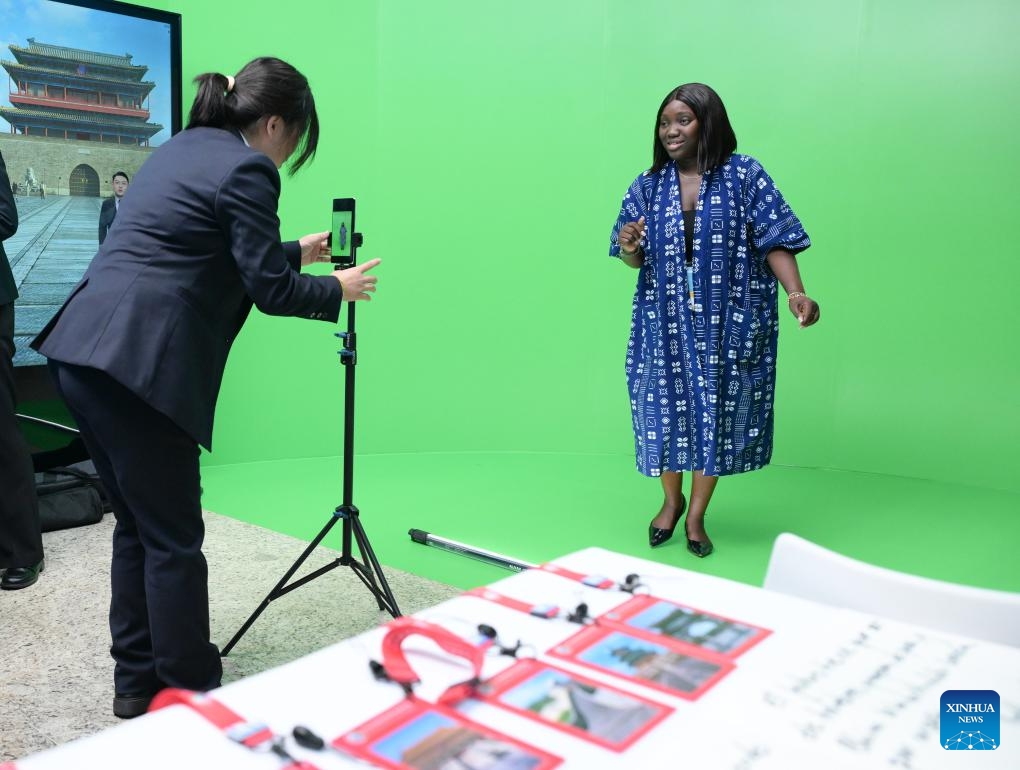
342, 234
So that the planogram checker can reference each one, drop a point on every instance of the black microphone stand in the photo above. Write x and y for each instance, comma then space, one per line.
368, 568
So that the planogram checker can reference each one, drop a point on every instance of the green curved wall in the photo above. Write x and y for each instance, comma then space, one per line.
489, 146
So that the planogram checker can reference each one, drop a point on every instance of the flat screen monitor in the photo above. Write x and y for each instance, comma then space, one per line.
93, 88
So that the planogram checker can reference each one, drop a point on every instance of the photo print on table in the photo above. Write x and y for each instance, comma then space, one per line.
587, 709
672, 667
415, 735
657, 618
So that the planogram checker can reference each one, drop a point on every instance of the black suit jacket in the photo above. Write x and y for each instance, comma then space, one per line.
8, 226
197, 242
107, 214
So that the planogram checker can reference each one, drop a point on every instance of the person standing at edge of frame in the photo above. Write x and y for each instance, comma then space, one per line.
108, 211
21, 546
711, 235
138, 350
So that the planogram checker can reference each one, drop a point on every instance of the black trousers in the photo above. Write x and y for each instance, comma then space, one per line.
20, 536
159, 608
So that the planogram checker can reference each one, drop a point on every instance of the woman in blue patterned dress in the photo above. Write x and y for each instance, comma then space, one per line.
712, 238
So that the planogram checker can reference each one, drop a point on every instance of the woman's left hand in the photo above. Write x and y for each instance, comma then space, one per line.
315, 248
806, 310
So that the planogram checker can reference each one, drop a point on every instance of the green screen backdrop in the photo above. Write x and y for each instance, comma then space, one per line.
489, 146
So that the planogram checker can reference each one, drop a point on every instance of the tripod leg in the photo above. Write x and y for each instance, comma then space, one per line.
383, 594
278, 589
366, 572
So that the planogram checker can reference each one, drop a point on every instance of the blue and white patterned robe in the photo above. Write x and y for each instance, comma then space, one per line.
702, 383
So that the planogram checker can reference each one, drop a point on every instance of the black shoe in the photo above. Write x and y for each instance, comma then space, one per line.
128, 706
657, 536
700, 548
21, 577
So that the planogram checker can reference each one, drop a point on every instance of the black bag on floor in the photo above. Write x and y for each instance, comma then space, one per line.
69, 497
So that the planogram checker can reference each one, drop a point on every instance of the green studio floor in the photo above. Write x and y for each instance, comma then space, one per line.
537, 506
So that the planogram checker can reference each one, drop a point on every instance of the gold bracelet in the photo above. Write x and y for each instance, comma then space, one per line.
794, 294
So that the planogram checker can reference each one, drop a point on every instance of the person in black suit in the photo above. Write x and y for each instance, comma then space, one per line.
21, 548
110, 207
139, 347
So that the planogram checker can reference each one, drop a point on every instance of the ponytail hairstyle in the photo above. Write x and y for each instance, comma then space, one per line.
264, 86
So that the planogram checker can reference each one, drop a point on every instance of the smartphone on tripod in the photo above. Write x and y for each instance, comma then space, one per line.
341, 235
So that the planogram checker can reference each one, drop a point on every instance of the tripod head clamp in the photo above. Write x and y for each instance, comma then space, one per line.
349, 353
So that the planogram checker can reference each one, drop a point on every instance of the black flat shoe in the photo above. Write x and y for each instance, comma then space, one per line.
129, 706
657, 536
700, 549
21, 577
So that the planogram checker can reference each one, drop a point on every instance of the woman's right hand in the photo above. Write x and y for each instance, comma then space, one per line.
355, 283
630, 236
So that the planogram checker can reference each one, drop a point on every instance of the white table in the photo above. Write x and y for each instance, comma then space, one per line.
827, 688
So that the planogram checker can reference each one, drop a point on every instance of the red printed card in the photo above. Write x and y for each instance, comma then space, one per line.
415, 735
654, 618
680, 670
590, 710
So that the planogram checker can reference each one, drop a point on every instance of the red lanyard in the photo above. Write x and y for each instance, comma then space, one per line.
396, 668
544, 611
629, 585
257, 737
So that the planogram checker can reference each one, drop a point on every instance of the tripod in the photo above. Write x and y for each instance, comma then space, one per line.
368, 569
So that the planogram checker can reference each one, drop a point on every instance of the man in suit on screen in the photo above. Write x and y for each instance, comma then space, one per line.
111, 205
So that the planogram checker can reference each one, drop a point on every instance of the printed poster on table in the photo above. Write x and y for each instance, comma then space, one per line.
681, 670
649, 616
571, 703
415, 735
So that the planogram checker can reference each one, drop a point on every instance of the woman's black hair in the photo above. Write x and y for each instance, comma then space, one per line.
264, 86
716, 140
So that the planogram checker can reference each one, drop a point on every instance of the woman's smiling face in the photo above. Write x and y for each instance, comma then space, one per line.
678, 131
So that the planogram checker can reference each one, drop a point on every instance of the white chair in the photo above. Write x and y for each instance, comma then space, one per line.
801, 568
